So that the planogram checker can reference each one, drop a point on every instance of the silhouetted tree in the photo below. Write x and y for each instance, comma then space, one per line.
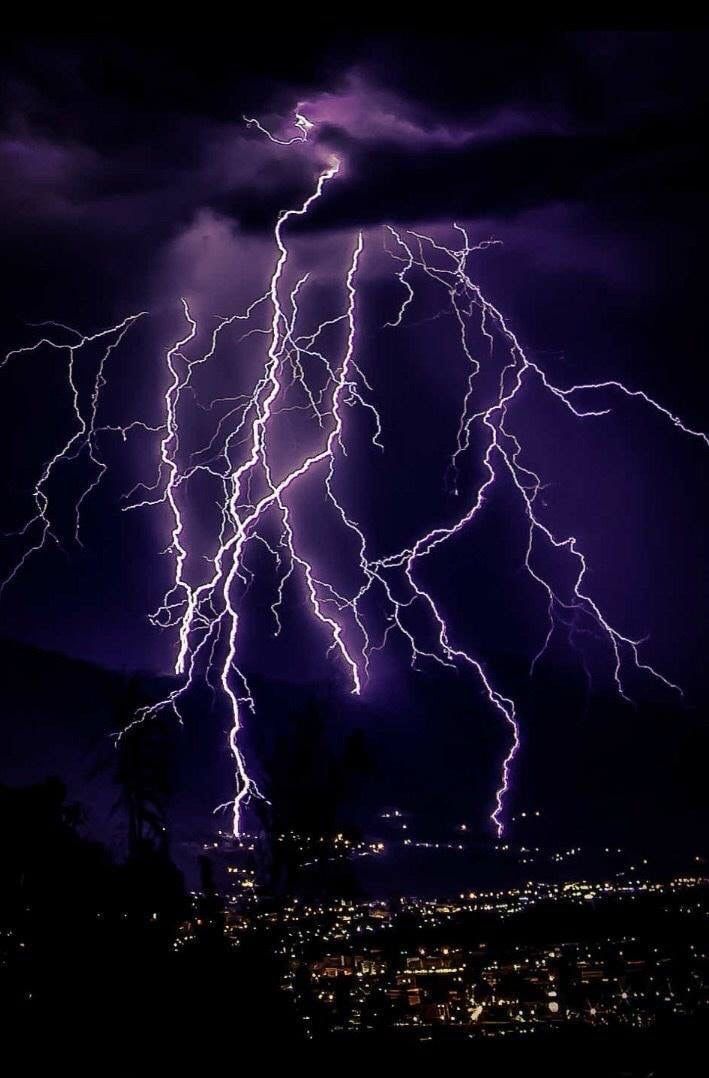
143, 771
313, 781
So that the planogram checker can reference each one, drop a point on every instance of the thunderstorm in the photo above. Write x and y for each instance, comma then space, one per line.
293, 428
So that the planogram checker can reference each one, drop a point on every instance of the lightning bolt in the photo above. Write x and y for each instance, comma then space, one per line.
209, 609
301, 122
316, 371
84, 441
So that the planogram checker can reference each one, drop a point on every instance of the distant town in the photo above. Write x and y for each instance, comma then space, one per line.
625, 952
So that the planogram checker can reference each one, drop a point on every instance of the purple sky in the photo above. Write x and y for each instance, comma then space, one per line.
130, 181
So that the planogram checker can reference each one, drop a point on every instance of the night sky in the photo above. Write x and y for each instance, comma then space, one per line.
128, 179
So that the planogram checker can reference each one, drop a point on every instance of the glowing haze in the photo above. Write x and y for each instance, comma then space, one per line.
263, 411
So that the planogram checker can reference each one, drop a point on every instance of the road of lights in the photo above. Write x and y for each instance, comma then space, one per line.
325, 382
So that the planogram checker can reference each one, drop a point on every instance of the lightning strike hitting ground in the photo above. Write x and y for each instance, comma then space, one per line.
324, 382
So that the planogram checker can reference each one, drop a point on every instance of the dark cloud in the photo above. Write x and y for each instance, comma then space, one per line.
140, 135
